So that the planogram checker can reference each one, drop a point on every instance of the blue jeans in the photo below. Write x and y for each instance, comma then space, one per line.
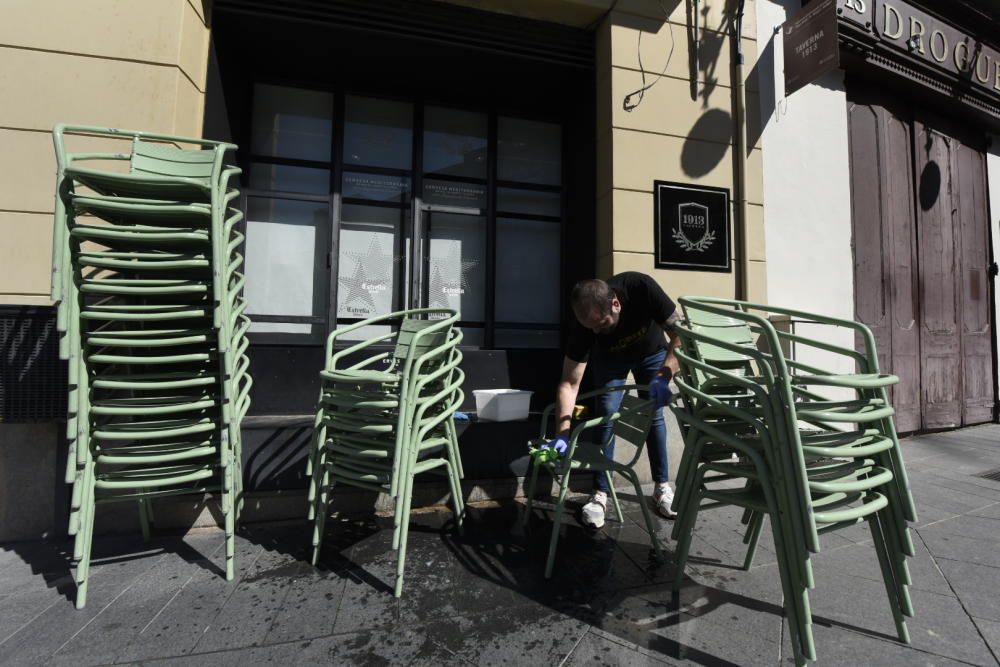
613, 374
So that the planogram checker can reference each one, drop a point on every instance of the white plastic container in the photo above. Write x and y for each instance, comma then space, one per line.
502, 405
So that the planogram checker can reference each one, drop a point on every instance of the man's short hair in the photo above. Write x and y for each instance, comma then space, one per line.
592, 294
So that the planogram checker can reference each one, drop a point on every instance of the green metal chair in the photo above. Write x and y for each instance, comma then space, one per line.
377, 428
146, 276
807, 480
631, 423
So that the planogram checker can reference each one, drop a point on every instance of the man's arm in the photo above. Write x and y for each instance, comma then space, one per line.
569, 387
674, 341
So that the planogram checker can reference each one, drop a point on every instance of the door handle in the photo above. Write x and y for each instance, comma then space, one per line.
993, 269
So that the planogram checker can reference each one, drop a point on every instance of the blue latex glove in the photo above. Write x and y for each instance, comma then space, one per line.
559, 443
552, 450
659, 391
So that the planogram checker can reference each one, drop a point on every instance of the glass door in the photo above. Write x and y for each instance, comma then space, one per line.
452, 267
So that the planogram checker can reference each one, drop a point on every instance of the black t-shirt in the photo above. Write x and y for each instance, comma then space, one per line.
638, 334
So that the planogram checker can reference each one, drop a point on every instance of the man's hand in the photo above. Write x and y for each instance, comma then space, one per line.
659, 391
560, 444
552, 450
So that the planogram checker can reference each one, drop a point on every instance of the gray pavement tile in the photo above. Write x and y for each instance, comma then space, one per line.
991, 633
990, 511
657, 626
975, 586
48, 631
177, 626
528, 635
926, 493
862, 561
400, 647
927, 514
836, 647
366, 603
987, 490
18, 611
606, 559
309, 607
962, 548
970, 526
940, 625
102, 639
254, 604
595, 649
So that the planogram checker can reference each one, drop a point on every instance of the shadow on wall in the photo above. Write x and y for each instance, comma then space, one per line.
699, 157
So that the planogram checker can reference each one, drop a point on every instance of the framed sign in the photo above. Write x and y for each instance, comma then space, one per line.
691, 227
810, 43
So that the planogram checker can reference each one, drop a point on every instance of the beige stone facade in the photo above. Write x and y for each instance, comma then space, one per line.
111, 63
142, 65
682, 130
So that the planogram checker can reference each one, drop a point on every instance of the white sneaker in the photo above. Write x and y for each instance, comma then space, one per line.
663, 498
594, 510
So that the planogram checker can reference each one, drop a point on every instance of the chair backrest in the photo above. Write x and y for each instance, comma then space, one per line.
408, 329
727, 329
161, 160
634, 422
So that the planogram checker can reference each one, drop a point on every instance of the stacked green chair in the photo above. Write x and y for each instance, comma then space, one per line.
385, 415
147, 278
810, 462
631, 423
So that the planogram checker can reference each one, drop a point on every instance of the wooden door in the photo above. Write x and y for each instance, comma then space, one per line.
921, 260
885, 271
940, 339
969, 186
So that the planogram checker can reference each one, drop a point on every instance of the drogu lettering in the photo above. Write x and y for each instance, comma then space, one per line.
937, 43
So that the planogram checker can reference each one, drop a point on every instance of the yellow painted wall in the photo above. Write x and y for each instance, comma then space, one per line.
682, 130
138, 64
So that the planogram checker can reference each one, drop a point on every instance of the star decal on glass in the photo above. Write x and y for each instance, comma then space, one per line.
373, 273
449, 276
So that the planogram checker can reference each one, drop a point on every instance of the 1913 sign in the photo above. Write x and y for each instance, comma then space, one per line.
691, 227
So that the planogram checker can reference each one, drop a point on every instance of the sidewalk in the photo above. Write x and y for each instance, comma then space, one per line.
481, 599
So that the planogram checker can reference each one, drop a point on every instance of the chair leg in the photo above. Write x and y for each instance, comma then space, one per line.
647, 517
530, 493
457, 501
556, 525
319, 522
614, 496
686, 524
404, 531
87, 530
889, 580
752, 537
144, 518
453, 439
229, 512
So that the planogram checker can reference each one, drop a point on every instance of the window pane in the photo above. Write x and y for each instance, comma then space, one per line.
455, 142
281, 327
377, 187
285, 261
450, 193
532, 202
291, 122
472, 337
456, 266
369, 261
285, 178
378, 133
526, 338
529, 151
527, 271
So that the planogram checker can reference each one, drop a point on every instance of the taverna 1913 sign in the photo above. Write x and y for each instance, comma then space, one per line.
691, 227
